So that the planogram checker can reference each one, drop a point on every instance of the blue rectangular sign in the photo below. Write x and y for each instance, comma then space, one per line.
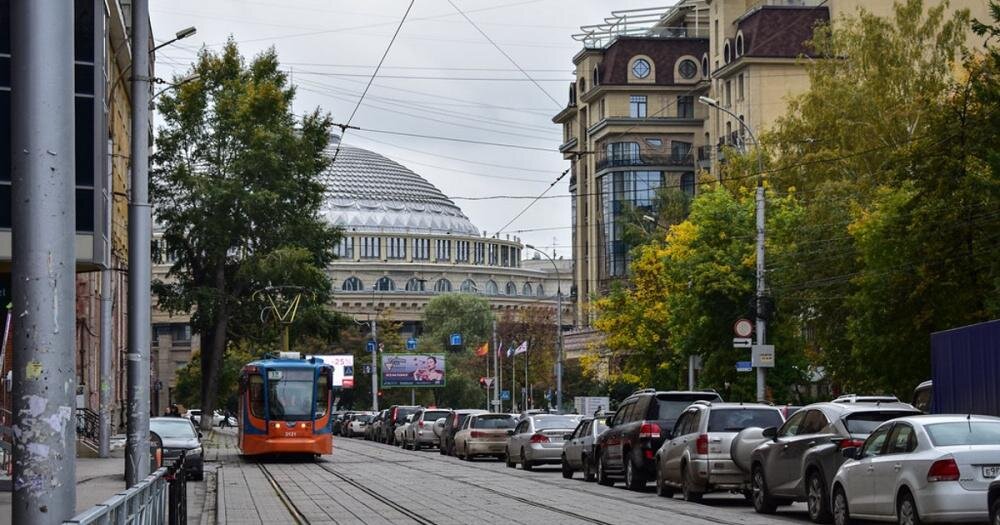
456, 339
411, 344
370, 347
744, 366
505, 395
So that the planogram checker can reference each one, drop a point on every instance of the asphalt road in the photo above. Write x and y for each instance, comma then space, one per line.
364, 482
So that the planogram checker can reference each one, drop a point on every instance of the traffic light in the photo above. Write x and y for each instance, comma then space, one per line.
379, 393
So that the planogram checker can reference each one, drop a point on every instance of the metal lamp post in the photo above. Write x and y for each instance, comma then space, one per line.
761, 323
559, 340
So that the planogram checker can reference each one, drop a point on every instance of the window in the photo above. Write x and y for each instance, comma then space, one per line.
421, 249
814, 423
443, 285
583, 86
595, 77
902, 440
491, 287
641, 68
729, 93
739, 44
397, 247
443, 250
469, 286
494, 254
622, 153
619, 191
526, 289
352, 284
540, 291
385, 284
739, 87
344, 249
688, 69
875, 443
637, 106
792, 426
727, 53
704, 65
371, 247
480, 253
415, 285
462, 251
602, 107
505, 256
685, 106
656, 143
687, 183
511, 288
679, 150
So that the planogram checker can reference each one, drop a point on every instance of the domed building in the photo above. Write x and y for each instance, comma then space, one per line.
405, 241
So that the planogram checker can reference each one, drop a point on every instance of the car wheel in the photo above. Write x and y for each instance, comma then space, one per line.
467, 456
906, 510
816, 500
633, 479
441, 450
662, 490
602, 473
687, 486
567, 471
841, 514
995, 512
762, 502
509, 460
588, 469
525, 464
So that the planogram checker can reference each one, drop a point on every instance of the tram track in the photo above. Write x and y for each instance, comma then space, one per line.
293, 510
417, 518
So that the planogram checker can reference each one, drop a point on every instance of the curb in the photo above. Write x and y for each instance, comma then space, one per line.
220, 495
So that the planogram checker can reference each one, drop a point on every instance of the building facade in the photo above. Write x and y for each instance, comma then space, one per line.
633, 124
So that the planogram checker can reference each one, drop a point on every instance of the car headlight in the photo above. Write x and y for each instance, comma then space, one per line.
195, 451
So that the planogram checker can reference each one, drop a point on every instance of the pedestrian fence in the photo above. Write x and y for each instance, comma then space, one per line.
160, 499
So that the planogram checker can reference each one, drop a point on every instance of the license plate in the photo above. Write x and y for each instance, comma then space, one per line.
991, 471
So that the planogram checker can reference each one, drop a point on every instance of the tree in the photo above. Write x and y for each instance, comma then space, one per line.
236, 187
470, 316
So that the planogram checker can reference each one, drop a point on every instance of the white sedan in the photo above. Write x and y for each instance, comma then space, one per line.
920, 469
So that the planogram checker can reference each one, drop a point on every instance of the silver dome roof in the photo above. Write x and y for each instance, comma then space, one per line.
368, 192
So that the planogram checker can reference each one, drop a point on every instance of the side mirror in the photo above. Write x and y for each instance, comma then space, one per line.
668, 434
770, 433
199, 435
850, 452
568, 436
510, 432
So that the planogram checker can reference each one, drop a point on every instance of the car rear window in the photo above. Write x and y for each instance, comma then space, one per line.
435, 415
547, 422
670, 406
867, 422
964, 433
736, 419
402, 412
493, 422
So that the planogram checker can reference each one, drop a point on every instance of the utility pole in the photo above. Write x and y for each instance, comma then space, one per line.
375, 363
140, 262
559, 338
43, 271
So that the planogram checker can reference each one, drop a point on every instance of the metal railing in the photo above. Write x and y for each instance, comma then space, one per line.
6, 445
159, 499
605, 161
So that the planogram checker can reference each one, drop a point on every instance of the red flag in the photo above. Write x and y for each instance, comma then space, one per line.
483, 349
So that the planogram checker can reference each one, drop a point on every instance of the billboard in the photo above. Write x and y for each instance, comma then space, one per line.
343, 369
409, 370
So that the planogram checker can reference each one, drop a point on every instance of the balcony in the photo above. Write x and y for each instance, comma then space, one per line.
705, 157
568, 145
644, 159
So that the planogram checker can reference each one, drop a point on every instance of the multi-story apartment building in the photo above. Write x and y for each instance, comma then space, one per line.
633, 123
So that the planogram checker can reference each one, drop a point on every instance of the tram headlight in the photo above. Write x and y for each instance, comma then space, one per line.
277, 425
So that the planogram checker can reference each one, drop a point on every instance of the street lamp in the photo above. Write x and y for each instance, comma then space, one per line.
180, 35
559, 358
761, 324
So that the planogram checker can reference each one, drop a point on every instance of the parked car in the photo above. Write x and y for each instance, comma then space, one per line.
194, 415
180, 436
419, 433
338, 420
357, 424
578, 447
920, 469
397, 438
438, 427
788, 411
855, 398
696, 458
637, 430
483, 435
538, 439
993, 501
374, 429
799, 459
452, 424
922, 396
394, 419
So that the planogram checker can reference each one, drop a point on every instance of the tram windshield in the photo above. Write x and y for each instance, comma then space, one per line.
290, 394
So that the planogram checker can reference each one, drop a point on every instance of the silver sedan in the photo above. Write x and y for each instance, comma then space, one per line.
920, 469
539, 439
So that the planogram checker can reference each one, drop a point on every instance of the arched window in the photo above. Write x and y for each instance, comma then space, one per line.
491, 287
740, 49
540, 291
511, 288
415, 285
469, 286
727, 52
581, 87
596, 78
526, 290
352, 284
385, 284
443, 285
704, 65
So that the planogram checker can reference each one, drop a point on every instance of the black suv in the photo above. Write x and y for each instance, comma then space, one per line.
393, 419
640, 425
800, 458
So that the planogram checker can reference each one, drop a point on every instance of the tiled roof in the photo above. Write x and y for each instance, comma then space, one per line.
368, 192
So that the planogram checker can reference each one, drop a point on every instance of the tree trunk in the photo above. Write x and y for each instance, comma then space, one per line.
214, 352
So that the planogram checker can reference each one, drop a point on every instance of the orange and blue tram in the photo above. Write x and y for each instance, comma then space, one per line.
285, 407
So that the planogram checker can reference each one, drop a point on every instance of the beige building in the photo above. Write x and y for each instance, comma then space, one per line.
633, 123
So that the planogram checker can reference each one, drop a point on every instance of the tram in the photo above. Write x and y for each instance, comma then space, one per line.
285, 407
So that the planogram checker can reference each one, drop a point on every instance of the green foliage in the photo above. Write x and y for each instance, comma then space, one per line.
187, 393
470, 316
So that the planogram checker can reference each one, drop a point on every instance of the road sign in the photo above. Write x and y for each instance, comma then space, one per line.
455, 339
370, 346
505, 395
368, 369
762, 356
744, 366
411, 344
742, 342
488, 381
743, 328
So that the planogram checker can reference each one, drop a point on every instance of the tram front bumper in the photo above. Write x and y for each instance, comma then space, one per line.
320, 444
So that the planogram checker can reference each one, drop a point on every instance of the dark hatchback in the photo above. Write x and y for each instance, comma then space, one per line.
640, 425
393, 419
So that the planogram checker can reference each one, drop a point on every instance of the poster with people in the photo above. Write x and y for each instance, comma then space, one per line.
412, 370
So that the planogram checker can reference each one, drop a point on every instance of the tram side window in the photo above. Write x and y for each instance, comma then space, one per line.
322, 394
256, 392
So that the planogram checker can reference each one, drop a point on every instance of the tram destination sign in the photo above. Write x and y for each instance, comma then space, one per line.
413, 370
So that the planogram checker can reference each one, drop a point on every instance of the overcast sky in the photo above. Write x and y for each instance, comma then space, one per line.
331, 46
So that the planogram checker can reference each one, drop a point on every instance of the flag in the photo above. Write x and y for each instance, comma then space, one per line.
510, 350
483, 349
522, 349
